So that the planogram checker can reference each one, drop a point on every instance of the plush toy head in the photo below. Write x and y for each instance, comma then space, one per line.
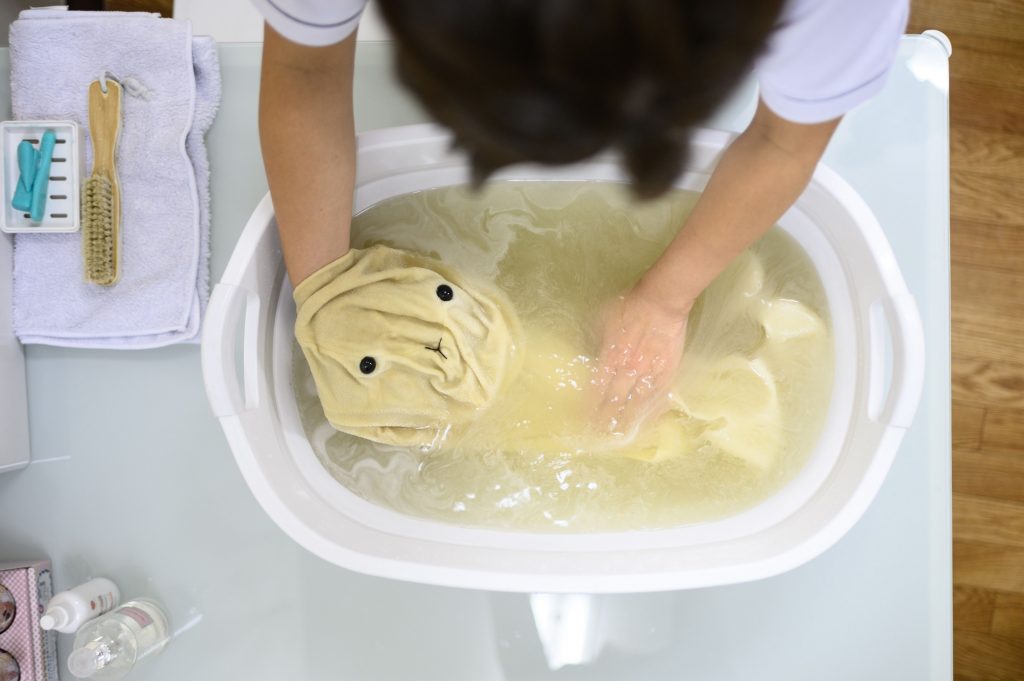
399, 347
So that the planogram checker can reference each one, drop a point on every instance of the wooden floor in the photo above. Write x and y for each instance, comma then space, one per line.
987, 138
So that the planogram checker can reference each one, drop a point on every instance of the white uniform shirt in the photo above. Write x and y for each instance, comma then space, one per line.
827, 57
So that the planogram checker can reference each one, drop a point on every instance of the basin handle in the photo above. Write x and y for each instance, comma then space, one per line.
228, 396
900, 319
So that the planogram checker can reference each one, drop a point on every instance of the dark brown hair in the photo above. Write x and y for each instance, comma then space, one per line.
556, 81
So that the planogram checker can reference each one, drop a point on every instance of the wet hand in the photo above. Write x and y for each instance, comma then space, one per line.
642, 344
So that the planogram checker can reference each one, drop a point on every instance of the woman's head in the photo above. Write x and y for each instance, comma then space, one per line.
556, 81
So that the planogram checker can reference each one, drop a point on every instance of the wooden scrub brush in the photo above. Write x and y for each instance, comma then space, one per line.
101, 195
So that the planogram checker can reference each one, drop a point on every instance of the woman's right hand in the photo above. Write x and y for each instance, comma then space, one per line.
642, 345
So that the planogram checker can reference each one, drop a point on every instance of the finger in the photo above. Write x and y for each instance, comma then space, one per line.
594, 399
623, 355
618, 382
644, 403
613, 401
618, 348
651, 384
617, 353
604, 371
621, 392
637, 403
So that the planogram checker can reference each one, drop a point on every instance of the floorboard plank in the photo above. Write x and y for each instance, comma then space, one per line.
981, 150
1008, 617
987, 312
988, 291
987, 106
992, 521
989, 566
987, 197
164, 7
981, 657
1003, 430
992, 245
981, 338
986, 59
988, 18
967, 426
973, 609
987, 383
995, 475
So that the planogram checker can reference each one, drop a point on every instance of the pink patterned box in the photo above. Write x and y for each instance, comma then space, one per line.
34, 649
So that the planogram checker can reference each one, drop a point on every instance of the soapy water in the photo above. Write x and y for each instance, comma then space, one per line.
745, 413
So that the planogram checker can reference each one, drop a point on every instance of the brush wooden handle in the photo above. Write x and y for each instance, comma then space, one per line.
105, 128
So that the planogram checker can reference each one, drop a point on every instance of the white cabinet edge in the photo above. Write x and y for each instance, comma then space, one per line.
14, 448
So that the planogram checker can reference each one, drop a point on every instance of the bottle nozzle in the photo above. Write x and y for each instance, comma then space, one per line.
56, 616
85, 661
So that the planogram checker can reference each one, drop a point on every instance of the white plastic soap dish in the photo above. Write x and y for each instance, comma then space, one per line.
61, 214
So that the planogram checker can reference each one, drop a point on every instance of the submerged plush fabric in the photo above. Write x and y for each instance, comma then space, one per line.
734, 399
400, 347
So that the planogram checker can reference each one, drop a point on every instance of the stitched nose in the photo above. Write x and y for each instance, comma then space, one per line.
436, 348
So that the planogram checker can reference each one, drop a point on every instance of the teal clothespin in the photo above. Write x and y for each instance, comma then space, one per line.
27, 175
42, 177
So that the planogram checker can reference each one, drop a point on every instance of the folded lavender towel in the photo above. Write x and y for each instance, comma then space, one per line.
172, 91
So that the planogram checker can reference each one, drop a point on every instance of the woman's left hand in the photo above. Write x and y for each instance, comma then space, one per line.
642, 345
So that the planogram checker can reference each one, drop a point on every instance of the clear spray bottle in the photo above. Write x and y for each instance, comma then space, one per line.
109, 646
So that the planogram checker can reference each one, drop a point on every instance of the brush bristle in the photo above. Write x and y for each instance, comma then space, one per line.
98, 237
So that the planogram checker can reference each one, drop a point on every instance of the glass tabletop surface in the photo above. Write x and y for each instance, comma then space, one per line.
132, 479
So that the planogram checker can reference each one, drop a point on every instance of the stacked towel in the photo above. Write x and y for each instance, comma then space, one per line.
171, 93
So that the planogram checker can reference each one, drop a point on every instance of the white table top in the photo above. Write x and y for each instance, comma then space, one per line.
133, 480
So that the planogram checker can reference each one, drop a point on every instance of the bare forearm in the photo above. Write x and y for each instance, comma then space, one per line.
307, 138
757, 179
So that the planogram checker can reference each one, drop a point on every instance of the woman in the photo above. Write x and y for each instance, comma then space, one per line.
555, 81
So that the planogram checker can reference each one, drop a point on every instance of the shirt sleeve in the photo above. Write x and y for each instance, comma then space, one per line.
828, 56
312, 22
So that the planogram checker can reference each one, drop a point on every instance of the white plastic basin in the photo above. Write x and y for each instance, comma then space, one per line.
878, 375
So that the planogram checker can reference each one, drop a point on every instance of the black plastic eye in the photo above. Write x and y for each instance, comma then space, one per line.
445, 292
367, 365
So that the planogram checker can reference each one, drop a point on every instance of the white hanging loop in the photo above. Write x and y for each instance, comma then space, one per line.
135, 88
130, 85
